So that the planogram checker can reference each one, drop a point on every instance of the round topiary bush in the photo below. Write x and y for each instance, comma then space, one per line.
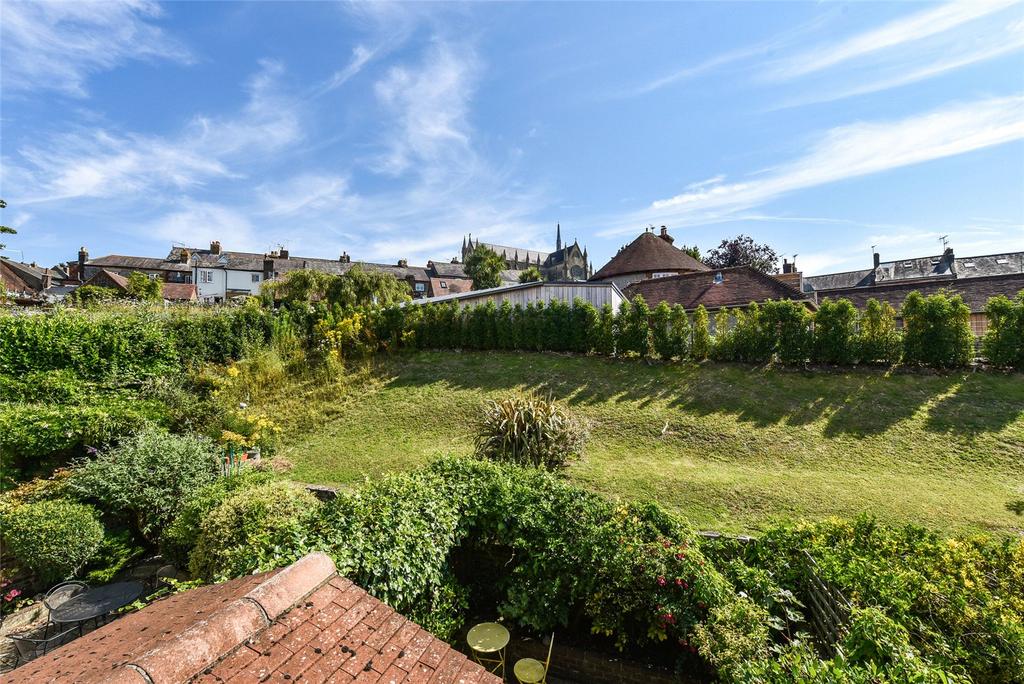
255, 528
53, 539
529, 430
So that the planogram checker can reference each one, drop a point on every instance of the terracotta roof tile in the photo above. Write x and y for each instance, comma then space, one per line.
739, 286
648, 253
300, 623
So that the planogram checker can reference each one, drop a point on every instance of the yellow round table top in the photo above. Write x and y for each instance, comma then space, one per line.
487, 637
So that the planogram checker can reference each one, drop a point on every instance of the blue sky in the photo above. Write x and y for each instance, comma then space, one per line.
391, 130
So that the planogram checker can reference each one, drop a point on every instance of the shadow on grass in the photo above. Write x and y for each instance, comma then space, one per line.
980, 402
857, 403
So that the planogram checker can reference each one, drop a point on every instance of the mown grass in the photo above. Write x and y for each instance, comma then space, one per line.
730, 447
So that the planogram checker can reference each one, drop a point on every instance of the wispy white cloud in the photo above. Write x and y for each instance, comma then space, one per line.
57, 45
988, 39
915, 27
302, 194
197, 223
848, 152
99, 163
429, 106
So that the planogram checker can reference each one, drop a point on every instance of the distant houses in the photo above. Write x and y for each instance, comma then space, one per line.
650, 266
975, 278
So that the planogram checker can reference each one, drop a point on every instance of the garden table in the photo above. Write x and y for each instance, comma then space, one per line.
488, 641
95, 603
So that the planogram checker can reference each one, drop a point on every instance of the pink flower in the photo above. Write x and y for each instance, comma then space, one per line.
679, 582
661, 581
12, 594
680, 556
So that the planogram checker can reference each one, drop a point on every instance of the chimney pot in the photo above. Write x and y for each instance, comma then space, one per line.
215, 247
878, 259
665, 236
403, 263
345, 258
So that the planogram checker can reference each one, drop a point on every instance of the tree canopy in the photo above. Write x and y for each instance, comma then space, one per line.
5, 229
354, 288
144, 288
484, 266
743, 251
692, 251
531, 275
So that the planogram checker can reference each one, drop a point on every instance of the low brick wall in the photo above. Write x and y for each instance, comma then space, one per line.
587, 667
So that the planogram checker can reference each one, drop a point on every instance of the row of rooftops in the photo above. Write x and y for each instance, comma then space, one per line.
945, 265
649, 256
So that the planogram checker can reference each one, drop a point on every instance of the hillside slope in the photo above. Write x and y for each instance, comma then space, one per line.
728, 446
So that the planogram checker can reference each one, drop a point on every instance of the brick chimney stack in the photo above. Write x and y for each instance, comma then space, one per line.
878, 259
215, 247
665, 236
83, 256
403, 263
345, 258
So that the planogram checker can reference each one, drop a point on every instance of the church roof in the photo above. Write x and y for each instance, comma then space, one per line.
510, 252
648, 252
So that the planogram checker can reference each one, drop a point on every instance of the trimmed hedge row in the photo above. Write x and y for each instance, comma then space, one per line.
936, 331
128, 344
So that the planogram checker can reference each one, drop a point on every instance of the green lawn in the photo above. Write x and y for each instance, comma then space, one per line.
730, 447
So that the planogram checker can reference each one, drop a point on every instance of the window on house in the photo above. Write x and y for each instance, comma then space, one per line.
255, 277
152, 276
663, 274
444, 285
421, 287
206, 276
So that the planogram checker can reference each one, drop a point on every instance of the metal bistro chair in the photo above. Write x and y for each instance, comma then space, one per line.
531, 671
58, 596
29, 648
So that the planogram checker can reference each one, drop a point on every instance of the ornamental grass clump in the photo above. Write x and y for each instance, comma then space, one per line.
529, 430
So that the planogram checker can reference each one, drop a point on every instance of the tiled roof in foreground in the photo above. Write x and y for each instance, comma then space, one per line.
302, 623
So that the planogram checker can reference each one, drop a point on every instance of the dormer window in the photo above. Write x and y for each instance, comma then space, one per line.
444, 285
719, 279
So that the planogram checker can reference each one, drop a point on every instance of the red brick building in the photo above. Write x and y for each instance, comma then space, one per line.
716, 289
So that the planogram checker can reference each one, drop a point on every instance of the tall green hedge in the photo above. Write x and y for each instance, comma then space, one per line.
128, 344
1003, 344
936, 331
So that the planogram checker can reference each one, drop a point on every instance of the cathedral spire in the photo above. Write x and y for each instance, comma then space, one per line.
558, 237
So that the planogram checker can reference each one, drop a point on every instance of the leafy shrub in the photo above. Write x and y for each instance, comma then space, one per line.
1003, 344
31, 432
835, 332
937, 330
53, 539
753, 339
879, 341
670, 331
529, 430
633, 328
788, 325
393, 537
961, 601
182, 534
700, 349
148, 476
254, 528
